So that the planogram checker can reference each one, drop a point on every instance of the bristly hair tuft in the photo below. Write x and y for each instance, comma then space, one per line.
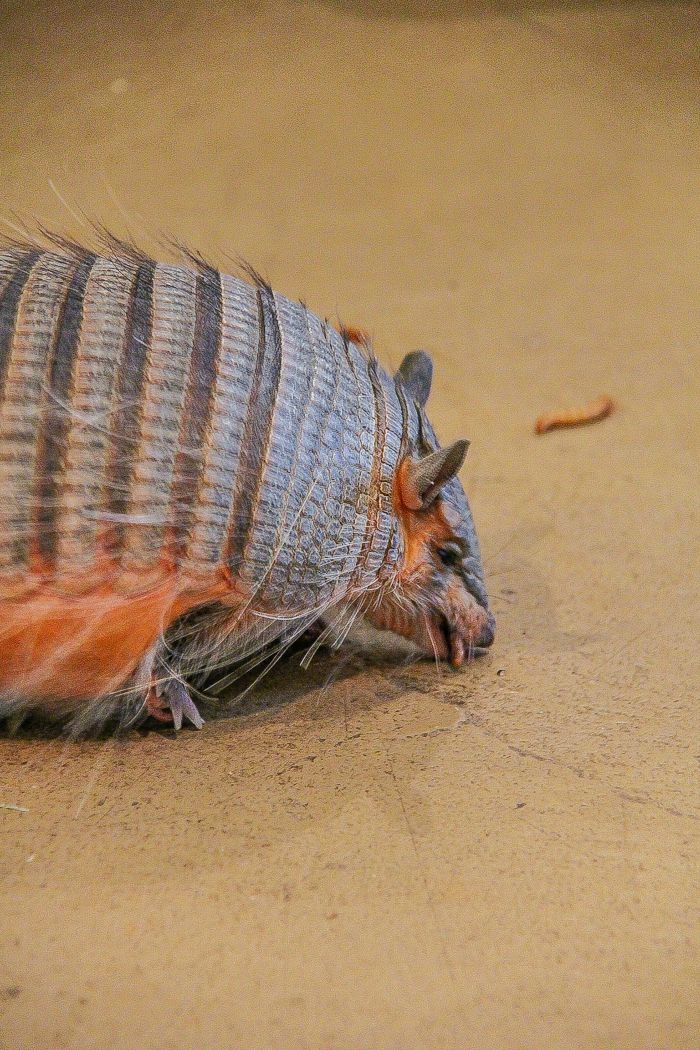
258, 280
189, 255
104, 242
359, 338
120, 247
124, 250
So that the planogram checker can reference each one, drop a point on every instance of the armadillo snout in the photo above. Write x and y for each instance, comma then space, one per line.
484, 640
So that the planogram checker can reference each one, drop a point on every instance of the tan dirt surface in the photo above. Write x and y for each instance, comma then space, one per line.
377, 856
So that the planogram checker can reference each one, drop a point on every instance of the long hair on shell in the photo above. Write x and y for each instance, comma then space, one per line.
201, 642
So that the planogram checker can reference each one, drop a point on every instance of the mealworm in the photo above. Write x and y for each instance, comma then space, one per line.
590, 413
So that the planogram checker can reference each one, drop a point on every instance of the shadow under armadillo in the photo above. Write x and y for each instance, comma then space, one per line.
366, 651
378, 667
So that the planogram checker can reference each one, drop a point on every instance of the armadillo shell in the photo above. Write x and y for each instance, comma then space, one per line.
171, 431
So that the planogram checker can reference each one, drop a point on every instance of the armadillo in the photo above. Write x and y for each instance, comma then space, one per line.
194, 467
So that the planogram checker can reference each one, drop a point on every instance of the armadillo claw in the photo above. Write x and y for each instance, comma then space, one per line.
170, 701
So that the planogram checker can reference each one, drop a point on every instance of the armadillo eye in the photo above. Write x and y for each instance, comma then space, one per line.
450, 554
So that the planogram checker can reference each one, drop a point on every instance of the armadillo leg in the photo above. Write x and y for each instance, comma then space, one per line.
169, 701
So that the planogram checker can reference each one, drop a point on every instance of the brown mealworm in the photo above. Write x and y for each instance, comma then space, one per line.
590, 413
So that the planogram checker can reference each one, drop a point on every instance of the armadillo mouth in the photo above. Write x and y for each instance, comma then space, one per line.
446, 640
437, 640
457, 639
450, 643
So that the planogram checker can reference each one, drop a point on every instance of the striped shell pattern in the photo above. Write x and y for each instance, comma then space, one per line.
168, 426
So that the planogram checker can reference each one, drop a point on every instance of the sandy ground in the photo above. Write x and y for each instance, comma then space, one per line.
377, 855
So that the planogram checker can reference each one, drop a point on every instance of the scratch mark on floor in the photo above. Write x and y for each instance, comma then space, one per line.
466, 718
424, 875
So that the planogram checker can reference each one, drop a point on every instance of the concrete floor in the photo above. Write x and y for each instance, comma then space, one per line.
375, 855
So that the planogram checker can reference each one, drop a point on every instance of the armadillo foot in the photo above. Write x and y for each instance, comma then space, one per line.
171, 702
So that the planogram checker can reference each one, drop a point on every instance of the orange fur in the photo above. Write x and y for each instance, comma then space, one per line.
356, 335
82, 646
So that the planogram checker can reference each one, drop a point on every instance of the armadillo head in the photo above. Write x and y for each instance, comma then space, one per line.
439, 599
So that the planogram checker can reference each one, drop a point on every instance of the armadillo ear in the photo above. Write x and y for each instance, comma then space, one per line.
416, 376
422, 479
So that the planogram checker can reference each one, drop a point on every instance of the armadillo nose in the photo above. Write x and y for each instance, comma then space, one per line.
487, 633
